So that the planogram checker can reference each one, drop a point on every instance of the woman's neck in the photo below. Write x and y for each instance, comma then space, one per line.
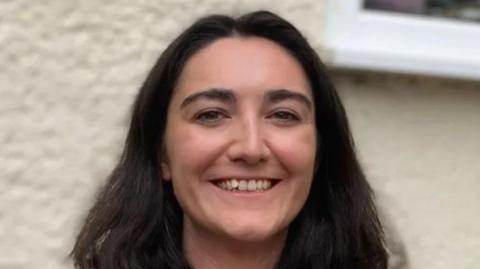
205, 250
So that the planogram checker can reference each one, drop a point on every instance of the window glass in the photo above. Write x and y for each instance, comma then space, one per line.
468, 10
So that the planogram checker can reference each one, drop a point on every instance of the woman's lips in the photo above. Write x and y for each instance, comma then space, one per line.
245, 185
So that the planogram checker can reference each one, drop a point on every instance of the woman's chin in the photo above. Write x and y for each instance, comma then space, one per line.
251, 233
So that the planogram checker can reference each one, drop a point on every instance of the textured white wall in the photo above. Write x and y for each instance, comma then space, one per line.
68, 74
419, 141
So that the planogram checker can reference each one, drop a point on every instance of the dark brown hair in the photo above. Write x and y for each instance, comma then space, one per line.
136, 221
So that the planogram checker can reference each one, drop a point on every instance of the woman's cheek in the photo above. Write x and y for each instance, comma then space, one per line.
199, 145
297, 148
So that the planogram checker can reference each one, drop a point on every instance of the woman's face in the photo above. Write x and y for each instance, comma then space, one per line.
241, 139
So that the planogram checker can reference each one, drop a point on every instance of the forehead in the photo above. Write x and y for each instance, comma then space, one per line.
242, 64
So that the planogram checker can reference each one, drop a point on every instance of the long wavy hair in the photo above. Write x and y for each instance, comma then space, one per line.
136, 222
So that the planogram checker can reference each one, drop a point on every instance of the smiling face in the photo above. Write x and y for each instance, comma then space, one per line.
240, 139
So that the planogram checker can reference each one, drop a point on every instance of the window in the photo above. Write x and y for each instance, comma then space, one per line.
467, 10
408, 36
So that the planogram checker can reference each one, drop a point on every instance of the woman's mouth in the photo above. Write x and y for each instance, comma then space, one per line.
245, 185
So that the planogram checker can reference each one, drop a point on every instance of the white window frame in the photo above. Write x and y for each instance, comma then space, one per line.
358, 38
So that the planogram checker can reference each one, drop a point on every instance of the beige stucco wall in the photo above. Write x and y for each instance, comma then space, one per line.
68, 74
419, 141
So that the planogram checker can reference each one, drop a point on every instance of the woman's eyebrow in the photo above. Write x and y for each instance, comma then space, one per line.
278, 95
218, 94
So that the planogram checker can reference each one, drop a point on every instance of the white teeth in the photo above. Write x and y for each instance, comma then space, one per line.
242, 185
251, 185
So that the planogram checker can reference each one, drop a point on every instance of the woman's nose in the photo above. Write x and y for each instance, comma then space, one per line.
249, 143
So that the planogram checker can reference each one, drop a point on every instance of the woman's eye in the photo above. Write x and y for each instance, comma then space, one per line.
285, 116
211, 116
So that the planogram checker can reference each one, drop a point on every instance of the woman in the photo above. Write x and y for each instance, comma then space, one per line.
238, 155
